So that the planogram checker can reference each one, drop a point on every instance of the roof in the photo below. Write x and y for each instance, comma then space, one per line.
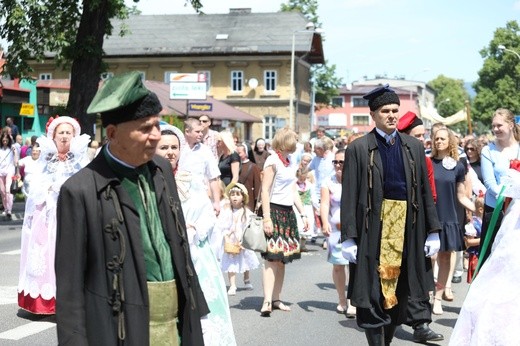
241, 33
11, 85
54, 84
220, 111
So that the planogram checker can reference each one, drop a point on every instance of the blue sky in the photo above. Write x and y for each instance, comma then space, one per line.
419, 39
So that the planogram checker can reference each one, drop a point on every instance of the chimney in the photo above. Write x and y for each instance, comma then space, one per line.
239, 10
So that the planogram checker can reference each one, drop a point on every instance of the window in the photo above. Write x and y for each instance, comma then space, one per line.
360, 120
269, 126
45, 76
106, 75
237, 80
270, 80
207, 76
358, 101
167, 76
337, 101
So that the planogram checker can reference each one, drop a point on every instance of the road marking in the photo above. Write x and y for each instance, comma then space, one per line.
8, 295
26, 330
14, 252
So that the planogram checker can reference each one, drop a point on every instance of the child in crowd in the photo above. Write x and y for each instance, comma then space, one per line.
308, 198
236, 218
472, 236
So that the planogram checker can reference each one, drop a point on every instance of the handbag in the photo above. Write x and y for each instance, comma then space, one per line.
253, 237
231, 246
16, 186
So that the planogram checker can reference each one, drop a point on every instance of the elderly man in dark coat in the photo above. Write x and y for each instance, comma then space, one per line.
123, 267
389, 224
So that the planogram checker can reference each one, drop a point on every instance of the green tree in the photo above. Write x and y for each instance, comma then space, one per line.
450, 94
450, 98
327, 83
499, 79
309, 8
325, 79
73, 31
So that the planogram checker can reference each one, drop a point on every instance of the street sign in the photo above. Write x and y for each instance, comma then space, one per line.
188, 86
201, 106
187, 91
27, 109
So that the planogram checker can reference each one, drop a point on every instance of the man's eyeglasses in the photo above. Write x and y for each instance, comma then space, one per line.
204, 121
337, 162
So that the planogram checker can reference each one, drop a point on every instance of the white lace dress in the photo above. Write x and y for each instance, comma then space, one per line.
246, 259
217, 327
490, 314
37, 281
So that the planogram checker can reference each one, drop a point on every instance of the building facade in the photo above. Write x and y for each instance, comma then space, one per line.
350, 113
245, 58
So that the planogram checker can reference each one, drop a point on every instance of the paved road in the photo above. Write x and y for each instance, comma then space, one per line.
308, 290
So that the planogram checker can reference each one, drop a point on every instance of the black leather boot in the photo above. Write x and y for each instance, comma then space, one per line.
375, 336
423, 333
389, 333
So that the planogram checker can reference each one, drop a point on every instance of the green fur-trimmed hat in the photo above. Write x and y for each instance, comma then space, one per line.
124, 98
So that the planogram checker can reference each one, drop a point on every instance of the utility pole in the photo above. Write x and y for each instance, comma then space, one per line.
468, 114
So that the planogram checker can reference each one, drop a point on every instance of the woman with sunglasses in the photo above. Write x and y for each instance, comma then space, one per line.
472, 150
330, 216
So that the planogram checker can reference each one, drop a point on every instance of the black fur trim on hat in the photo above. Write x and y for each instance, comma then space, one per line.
145, 107
385, 98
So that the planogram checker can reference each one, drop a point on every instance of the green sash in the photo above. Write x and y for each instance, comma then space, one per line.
491, 229
138, 183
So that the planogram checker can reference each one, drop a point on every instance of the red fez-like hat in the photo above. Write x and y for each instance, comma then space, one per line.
408, 121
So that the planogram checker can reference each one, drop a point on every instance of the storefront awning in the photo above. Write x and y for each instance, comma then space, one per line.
219, 110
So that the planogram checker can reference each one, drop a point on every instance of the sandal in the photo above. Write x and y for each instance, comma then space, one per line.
448, 294
437, 306
266, 309
341, 309
351, 312
279, 305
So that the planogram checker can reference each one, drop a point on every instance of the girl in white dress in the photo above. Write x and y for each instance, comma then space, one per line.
237, 217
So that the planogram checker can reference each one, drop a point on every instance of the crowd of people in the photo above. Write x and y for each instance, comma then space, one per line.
133, 241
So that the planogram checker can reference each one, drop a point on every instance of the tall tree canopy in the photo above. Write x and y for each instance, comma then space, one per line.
325, 79
450, 98
499, 79
73, 31
309, 8
450, 94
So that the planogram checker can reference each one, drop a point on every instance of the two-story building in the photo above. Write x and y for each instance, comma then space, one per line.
246, 59
350, 112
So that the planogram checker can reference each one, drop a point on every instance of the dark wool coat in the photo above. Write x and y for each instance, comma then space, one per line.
99, 246
361, 222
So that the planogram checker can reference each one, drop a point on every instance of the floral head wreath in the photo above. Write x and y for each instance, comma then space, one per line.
52, 123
